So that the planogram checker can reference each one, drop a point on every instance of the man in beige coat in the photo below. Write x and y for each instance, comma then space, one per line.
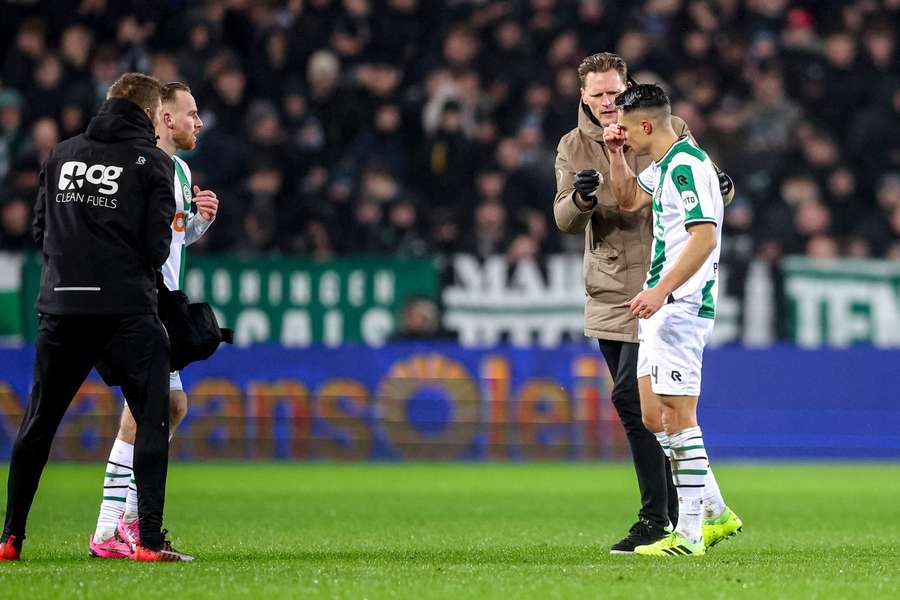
616, 261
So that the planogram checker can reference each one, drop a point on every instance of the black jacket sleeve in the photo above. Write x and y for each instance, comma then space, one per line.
158, 188
37, 226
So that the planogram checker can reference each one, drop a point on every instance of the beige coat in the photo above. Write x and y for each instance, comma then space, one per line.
617, 243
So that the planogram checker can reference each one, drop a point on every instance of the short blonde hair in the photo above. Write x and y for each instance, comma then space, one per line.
169, 90
600, 63
143, 90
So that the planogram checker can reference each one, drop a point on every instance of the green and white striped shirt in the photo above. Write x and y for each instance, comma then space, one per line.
187, 227
685, 190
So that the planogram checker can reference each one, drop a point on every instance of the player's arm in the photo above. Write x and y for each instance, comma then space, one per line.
630, 195
571, 210
700, 245
198, 223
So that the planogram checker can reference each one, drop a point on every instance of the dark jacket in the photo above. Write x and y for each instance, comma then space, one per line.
103, 216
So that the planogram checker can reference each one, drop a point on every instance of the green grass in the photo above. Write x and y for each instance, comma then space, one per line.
467, 531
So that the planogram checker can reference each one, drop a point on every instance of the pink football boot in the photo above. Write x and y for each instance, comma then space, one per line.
129, 532
111, 548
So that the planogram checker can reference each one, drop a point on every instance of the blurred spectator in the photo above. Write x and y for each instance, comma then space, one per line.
770, 118
873, 141
164, 67
197, 51
75, 49
404, 233
15, 224
227, 104
811, 219
420, 319
489, 232
131, 37
352, 31
12, 133
822, 246
448, 158
105, 69
261, 204
22, 59
880, 42
383, 138
880, 228
271, 66
43, 99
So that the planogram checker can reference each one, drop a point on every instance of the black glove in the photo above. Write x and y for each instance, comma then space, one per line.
586, 184
726, 185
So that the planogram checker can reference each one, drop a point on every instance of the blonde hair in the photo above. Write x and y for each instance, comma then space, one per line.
143, 90
169, 90
600, 63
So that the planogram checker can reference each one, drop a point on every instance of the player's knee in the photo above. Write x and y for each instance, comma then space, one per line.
675, 420
178, 407
178, 413
127, 428
652, 422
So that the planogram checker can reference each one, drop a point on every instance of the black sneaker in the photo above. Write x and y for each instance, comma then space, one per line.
641, 533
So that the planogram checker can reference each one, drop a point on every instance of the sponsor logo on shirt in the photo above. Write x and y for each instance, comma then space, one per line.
689, 199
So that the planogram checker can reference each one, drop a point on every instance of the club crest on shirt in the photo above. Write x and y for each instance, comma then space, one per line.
179, 221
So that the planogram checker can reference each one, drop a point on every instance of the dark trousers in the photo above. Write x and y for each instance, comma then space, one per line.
659, 499
67, 347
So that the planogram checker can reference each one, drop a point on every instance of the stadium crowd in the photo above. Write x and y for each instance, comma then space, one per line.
412, 127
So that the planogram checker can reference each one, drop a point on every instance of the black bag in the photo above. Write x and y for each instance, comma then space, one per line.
194, 332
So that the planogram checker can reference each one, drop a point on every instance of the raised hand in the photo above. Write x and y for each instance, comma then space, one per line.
207, 203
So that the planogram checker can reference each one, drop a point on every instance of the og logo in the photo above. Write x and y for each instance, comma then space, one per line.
73, 174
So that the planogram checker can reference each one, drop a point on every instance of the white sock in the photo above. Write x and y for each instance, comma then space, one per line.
663, 439
131, 502
689, 470
713, 504
119, 470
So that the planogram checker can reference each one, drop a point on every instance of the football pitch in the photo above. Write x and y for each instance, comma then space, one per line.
467, 531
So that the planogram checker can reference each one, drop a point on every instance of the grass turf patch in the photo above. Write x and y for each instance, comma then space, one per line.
466, 531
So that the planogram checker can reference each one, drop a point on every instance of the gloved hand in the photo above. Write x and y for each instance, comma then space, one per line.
586, 184
726, 186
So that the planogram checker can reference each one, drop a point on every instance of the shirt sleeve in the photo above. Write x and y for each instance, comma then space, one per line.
195, 227
569, 216
693, 184
648, 179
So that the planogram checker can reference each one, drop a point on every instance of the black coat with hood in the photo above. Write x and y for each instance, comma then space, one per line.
103, 216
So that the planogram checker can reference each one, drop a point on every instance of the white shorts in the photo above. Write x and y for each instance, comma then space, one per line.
175, 381
671, 348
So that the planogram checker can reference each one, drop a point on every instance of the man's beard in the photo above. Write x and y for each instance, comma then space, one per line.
184, 140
